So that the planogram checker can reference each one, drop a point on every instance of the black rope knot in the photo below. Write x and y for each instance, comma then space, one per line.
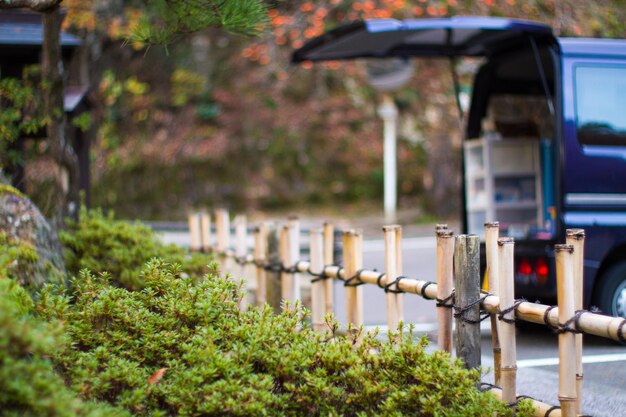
620, 331
379, 281
317, 276
355, 280
460, 312
550, 410
428, 283
570, 325
290, 270
447, 302
514, 307
275, 266
395, 282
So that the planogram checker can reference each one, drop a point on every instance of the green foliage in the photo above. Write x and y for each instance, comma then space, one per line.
184, 347
165, 20
29, 387
21, 105
186, 86
102, 243
83, 121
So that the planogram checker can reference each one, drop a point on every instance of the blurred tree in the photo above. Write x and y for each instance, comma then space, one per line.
150, 22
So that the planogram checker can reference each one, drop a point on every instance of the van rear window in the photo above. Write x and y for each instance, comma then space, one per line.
601, 105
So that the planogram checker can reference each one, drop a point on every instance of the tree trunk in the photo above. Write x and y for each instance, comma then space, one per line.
60, 149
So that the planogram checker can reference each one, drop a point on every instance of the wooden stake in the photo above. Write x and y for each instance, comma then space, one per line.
194, 232
318, 307
467, 292
353, 262
445, 284
576, 238
491, 249
391, 265
329, 259
273, 277
567, 341
205, 226
260, 240
506, 326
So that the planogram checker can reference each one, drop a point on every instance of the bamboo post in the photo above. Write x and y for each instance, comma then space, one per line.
329, 259
260, 240
272, 275
467, 293
285, 278
445, 277
241, 231
294, 255
567, 340
576, 238
205, 226
241, 250
352, 263
391, 264
492, 269
317, 288
222, 231
194, 232
399, 271
506, 326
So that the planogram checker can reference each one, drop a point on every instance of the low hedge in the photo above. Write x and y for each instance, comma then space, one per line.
101, 243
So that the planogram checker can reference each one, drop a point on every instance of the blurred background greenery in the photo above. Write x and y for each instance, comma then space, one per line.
204, 118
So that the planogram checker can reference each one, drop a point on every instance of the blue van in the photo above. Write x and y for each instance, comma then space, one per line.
545, 140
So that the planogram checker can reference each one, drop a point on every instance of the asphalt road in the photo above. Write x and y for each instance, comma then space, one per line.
604, 392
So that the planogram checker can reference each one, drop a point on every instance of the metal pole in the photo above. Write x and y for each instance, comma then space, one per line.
389, 113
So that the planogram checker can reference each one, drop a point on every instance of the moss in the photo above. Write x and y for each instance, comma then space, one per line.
9, 189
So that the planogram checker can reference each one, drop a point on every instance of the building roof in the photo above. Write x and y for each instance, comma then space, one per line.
19, 28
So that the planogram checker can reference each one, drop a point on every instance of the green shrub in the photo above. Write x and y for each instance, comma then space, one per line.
183, 347
102, 243
28, 383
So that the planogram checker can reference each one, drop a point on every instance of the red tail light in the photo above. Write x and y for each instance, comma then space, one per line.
541, 269
524, 267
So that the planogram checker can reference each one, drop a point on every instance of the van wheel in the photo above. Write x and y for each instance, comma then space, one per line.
610, 296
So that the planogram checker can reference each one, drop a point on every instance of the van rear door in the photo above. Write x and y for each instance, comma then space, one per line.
446, 37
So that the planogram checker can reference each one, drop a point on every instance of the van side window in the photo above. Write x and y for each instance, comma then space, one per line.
601, 105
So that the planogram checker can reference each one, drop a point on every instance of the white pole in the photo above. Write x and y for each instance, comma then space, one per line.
389, 113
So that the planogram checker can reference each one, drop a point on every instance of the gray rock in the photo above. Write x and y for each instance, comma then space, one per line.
25, 228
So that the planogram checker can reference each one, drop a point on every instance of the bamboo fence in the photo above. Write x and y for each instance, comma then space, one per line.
275, 256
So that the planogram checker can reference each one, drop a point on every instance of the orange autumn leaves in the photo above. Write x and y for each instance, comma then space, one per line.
291, 28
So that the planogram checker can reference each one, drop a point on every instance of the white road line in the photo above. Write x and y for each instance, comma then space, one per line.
533, 363
409, 243
485, 327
